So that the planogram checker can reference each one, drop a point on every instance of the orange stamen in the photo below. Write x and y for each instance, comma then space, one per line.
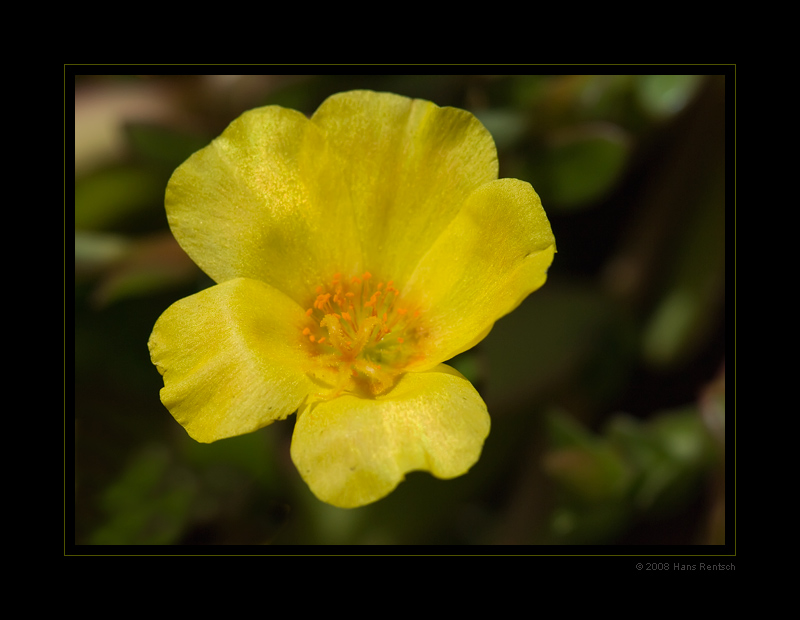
355, 320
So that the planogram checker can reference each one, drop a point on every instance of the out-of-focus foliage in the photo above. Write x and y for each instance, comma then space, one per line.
606, 388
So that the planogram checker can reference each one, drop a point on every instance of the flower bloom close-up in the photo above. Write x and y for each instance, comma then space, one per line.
354, 252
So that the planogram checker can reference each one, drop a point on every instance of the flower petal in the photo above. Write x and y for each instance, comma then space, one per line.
367, 184
231, 359
405, 166
353, 451
251, 204
493, 255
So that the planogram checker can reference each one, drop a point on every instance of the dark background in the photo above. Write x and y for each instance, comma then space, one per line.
606, 387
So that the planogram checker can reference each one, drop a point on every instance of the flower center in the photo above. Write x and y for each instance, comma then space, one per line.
360, 335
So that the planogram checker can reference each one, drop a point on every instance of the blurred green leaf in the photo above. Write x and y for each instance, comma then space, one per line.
582, 164
671, 453
507, 127
593, 481
606, 98
631, 470
526, 91
559, 332
469, 365
111, 196
149, 504
571, 525
665, 95
690, 305
585, 464
161, 145
127, 268
97, 251
256, 455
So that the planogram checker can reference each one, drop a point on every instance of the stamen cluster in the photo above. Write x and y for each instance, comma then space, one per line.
360, 332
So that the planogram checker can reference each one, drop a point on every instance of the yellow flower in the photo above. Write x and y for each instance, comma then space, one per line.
354, 252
